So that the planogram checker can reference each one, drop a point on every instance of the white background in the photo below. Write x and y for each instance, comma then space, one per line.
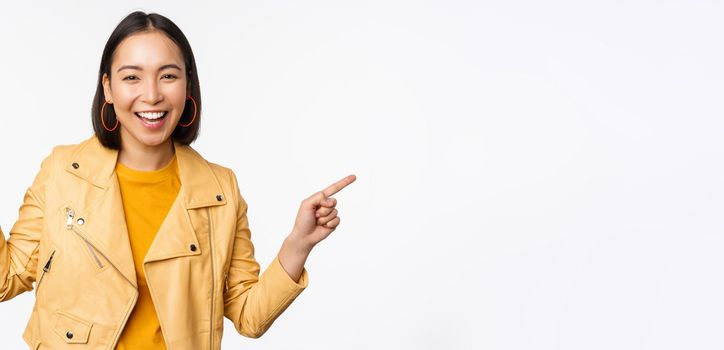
531, 175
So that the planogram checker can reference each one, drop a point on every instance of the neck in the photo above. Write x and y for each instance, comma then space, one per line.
144, 157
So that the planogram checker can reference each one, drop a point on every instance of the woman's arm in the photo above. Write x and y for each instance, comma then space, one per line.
253, 302
19, 255
292, 256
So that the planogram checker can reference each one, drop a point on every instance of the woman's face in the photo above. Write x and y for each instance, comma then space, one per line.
147, 89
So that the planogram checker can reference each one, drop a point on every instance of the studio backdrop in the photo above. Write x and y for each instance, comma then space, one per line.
530, 174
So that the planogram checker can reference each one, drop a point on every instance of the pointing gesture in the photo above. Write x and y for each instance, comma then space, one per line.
317, 216
316, 219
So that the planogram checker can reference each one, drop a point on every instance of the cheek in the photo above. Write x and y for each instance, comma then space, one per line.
177, 95
123, 98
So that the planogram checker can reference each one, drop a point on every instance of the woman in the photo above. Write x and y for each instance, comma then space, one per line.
133, 239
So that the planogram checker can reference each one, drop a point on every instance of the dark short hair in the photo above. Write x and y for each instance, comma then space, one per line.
138, 22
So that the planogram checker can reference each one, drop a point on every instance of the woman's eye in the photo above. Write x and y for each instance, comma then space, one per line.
169, 76
131, 77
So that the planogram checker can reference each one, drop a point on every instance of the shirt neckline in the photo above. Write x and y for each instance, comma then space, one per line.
144, 176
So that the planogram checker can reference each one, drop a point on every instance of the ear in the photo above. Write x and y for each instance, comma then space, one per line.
107, 88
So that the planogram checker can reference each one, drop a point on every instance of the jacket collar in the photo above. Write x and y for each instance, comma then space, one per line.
107, 231
96, 164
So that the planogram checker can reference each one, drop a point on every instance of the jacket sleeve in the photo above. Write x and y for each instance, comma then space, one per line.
19, 254
250, 301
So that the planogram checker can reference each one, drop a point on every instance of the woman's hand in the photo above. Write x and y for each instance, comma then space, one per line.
317, 216
316, 219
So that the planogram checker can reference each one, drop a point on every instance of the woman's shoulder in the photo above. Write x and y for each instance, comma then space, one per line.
225, 175
191, 162
228, 183
189, 156
60, 153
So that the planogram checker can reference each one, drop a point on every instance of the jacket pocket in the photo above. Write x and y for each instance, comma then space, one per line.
71, 328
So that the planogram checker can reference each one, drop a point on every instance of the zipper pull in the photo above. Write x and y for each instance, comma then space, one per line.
69, 218
47, 265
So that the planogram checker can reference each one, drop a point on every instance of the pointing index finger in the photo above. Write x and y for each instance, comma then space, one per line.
339, 185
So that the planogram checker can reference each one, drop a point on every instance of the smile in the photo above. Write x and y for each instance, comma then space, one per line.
151, 115
152, 119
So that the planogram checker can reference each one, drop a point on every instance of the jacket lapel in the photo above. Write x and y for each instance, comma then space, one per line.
100, 205
199, 189
105, 226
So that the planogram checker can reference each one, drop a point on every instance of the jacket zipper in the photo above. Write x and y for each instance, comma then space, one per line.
93, 252
46, 268
211, 256
69, 218
69, 215
226, 282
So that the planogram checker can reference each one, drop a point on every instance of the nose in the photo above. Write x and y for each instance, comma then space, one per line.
152, 94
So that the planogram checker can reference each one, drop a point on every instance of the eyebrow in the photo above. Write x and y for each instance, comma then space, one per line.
159, 68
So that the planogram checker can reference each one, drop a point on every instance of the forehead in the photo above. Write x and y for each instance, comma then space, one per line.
147, 49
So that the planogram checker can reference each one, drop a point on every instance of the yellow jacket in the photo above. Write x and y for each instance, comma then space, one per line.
71, 239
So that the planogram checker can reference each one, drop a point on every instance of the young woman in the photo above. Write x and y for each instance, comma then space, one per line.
134, 240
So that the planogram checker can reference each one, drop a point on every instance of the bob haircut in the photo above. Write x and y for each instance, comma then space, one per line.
139, 22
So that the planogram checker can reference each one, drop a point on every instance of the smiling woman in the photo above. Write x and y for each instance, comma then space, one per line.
147, 66
167, 250
148, 89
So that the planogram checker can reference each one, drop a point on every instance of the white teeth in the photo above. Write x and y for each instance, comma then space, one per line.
151, 115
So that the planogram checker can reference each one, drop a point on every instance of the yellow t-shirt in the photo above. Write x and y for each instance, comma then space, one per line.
147, 198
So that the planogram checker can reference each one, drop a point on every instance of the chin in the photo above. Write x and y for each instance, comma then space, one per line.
155, 140
143, 139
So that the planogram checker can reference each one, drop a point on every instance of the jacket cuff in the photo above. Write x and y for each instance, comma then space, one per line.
276, 273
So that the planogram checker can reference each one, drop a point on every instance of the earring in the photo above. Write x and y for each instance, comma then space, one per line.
103, 117
194, 116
